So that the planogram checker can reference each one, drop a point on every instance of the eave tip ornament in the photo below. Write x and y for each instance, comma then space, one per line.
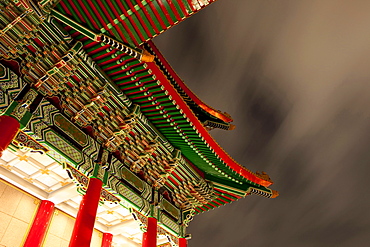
263, 175
274, 194
147, 57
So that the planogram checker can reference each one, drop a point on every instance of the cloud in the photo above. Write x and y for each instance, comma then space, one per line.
295, 76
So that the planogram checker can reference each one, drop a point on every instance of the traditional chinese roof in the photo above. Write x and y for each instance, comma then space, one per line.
204, 112
103, 98
162, 100
132, 22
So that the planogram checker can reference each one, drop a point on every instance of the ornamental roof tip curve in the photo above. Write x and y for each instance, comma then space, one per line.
221, 153
224, 116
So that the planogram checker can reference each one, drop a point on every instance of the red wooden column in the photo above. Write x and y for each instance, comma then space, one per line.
84, 225
107, 240
183, 242
40, 224
9, 127
150, 236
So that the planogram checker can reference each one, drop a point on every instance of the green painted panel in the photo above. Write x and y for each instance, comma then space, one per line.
171, 209
70, 129
132, 179
63, 146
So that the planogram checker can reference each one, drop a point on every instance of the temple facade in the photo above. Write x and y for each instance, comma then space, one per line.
102, 144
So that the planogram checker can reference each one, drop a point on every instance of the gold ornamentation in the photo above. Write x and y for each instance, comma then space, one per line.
24, 140
29, 179
22, 107
23, 157
63, 183
274, 193
45, 171
8, 167
147, 57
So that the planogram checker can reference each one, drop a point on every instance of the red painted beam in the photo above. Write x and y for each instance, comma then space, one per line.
9, 128
183, 242
84, 225
40, 224
150, 236
107, 240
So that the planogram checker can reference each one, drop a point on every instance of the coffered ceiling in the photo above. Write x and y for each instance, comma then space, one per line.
46, 179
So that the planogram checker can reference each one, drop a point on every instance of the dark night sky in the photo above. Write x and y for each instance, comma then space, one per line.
295, 76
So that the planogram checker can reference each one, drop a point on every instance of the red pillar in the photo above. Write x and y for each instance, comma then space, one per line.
84, 225
9, 127
40, 224
150, 236
107, 240
183, 242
